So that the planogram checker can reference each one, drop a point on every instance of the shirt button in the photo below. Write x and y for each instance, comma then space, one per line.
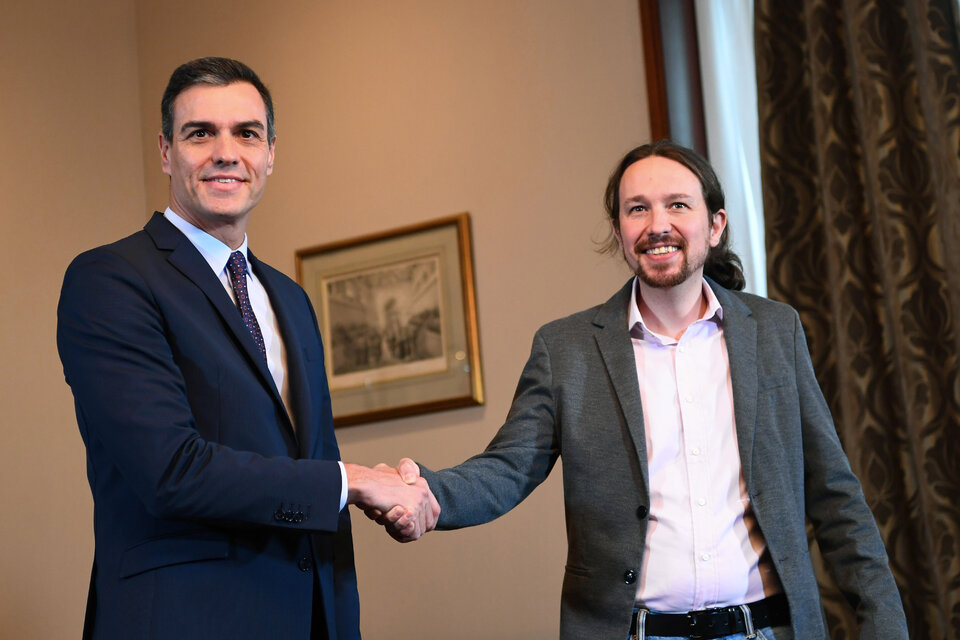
701, 502
696, 451
705, 557
304, 564
688, 399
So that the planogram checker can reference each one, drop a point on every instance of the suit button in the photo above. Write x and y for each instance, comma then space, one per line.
630, 576
642, 511
304, 564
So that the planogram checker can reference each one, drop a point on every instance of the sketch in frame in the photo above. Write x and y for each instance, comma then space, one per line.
398, 315
385, 323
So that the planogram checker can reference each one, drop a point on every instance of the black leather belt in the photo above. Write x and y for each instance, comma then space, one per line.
715, 623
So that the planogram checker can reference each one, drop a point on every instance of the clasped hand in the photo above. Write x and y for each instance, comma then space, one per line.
399, 499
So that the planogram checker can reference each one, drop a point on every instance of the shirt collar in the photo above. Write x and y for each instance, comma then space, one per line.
213, 250
713, 312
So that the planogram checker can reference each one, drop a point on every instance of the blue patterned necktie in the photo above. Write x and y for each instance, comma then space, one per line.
237, 266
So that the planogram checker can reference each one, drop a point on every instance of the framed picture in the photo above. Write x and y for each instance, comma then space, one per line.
398, 315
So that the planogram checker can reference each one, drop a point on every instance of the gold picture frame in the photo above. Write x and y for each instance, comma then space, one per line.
398, 315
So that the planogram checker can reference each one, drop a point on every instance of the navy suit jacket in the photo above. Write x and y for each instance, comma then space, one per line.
213, 512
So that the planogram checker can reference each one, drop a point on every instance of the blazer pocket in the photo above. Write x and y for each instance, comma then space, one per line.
774, 380
180, 549
577, 571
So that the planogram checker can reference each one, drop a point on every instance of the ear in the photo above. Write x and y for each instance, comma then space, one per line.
164, 145
272, 151
718, 224
615, 226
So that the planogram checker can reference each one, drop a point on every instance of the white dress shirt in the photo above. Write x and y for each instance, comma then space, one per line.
703, 547
216, 253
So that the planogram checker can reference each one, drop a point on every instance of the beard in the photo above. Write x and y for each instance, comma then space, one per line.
665, 276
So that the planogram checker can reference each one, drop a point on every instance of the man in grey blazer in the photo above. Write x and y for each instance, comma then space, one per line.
696, 442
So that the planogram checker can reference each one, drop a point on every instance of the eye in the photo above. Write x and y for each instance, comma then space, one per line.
637, 208
679, 205
198, 133
249, 134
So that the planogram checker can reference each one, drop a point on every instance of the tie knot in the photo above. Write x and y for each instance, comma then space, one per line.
237, 265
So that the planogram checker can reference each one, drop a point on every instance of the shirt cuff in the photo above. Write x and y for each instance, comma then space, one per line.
343, 485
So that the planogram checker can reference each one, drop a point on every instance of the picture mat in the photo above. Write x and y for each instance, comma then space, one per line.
456, 381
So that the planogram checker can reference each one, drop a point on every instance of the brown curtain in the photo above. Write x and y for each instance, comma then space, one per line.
859, 104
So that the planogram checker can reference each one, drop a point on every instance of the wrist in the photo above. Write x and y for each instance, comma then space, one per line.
358, 478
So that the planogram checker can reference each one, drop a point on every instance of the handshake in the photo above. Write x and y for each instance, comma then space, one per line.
399, 499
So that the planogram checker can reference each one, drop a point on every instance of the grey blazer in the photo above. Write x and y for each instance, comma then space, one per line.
578, 397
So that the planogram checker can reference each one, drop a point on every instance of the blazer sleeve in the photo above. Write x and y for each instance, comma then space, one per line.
516, 461
133, 410
843, 524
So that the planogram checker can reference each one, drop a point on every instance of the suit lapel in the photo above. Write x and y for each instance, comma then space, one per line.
616, 350
740, 336
186, 259
296, 370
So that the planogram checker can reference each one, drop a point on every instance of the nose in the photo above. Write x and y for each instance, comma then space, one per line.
226, 151
659, 221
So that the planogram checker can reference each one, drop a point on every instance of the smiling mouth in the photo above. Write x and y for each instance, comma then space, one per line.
223, 180
660, 251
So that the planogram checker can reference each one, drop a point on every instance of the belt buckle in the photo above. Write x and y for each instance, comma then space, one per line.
712, 620
692, 618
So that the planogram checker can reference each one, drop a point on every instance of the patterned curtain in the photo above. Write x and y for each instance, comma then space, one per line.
859, 105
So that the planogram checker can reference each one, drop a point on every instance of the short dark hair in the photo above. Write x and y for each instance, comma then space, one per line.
214, 71
723, 265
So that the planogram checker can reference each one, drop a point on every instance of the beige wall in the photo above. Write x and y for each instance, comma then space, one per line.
389, 113
71, 177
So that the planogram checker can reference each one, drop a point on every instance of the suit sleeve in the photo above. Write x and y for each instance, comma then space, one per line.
133, 410
516, 461
843, 523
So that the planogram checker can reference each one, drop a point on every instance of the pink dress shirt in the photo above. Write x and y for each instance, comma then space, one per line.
703, 546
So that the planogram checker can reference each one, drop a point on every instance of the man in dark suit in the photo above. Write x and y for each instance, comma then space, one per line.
199, 383
696, 442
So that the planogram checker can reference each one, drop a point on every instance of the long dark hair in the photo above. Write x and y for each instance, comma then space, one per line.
723, 265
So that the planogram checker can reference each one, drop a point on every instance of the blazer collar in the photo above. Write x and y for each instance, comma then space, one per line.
740, 334
299, 410
186, 259
616, 350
